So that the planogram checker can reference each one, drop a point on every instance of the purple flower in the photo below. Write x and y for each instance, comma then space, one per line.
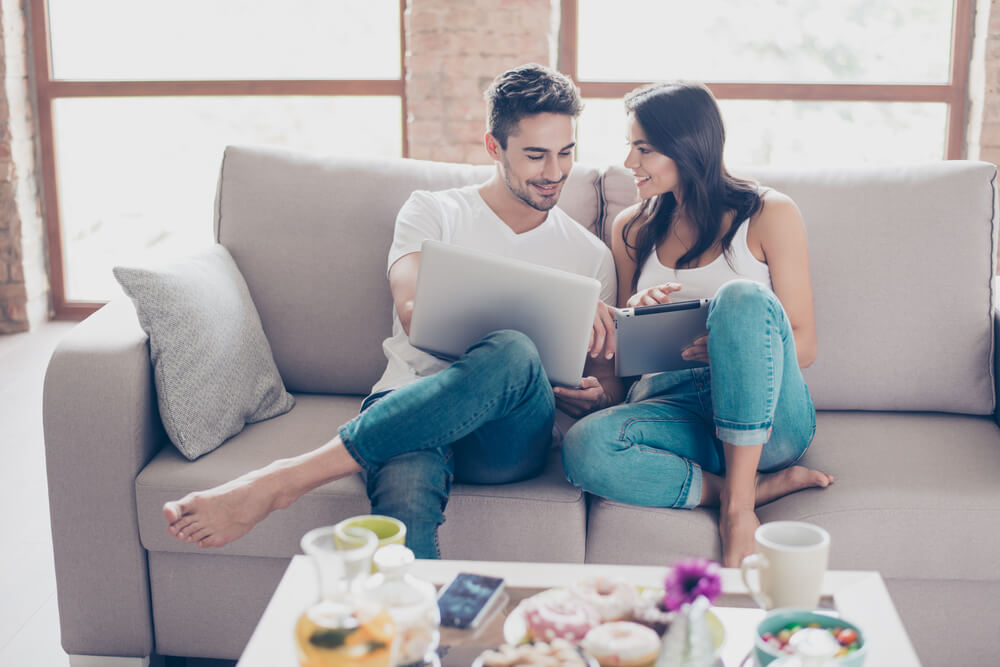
690, 578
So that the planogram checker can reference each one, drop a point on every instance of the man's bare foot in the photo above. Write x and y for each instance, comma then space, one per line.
220, 515
773, 485
736, 527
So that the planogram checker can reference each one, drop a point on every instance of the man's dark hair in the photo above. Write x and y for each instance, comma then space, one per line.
525, 91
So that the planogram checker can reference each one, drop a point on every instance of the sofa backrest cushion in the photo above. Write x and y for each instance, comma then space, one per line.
311, 237
902, 260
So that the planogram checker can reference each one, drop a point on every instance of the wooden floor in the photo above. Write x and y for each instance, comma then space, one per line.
29, 617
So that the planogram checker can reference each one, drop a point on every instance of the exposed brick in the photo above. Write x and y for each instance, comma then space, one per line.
9, 327
12, 292
990, 135
455, 51
16, 309
15, 273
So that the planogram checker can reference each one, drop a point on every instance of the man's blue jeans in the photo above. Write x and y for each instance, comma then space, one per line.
486, 419
652, 449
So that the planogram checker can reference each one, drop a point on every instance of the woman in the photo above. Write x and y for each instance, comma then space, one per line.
728, 434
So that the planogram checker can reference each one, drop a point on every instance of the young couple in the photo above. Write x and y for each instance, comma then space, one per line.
726, 435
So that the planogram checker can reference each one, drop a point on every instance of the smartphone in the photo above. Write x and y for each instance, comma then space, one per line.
464, 602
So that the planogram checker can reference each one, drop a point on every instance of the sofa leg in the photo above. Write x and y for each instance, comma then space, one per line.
113, 661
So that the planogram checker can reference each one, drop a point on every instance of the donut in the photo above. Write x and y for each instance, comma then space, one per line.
563, 617
649, 611
622, 644
614, 599
559, 652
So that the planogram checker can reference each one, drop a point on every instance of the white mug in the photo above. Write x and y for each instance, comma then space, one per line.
791, 559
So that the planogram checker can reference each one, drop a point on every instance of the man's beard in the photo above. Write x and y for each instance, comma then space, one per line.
524, 194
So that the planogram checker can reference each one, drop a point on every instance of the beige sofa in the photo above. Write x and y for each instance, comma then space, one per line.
902, 265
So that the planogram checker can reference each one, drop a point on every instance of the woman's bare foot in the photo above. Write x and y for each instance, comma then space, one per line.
736, 527
774, 485
220, 515
737, 520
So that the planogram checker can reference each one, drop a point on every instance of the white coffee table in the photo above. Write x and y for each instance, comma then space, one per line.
859, 596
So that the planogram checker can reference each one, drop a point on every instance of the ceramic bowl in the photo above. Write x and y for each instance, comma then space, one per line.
779, 619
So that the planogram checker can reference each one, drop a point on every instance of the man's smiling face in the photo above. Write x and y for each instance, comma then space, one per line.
538, 159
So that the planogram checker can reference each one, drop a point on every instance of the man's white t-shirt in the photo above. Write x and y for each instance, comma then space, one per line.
460, 216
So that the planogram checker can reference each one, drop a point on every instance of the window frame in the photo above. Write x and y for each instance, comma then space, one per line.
954, 93
48, 89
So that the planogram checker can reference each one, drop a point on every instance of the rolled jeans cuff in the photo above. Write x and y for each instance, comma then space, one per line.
743, 435
352, 449
692, 495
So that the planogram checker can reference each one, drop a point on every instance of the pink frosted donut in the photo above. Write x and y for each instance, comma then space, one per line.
567, 618
622, 644
614, 599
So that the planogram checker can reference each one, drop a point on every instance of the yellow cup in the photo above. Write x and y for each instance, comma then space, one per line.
387, 529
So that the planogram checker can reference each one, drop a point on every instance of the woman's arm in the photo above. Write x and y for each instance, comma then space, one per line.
625, 266
777, 235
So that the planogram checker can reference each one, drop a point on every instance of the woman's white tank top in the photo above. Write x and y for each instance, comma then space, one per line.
704, 281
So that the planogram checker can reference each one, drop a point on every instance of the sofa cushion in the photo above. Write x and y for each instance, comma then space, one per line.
212, 365
307, 232
903, 311
915, 497
515, 530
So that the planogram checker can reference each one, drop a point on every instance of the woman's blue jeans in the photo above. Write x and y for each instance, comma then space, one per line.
486, 419
652, 449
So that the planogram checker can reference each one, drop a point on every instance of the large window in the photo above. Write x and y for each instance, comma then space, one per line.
799, 82
137, 101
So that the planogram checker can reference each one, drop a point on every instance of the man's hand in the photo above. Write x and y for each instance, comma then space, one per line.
652, 296
602, 336
588, 397
696, 351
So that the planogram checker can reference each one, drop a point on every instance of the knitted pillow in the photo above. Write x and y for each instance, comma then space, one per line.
212, 365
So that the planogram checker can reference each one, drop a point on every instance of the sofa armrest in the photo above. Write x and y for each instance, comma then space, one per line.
101, 427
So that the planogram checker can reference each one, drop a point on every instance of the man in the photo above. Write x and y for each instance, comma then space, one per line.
488, 417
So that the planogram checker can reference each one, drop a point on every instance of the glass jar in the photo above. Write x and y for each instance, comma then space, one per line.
411, 602
344, 628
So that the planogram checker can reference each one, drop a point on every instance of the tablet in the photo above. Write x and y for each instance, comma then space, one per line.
463, 294
650, 339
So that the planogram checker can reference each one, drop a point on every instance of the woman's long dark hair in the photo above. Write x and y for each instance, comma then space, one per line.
682, 121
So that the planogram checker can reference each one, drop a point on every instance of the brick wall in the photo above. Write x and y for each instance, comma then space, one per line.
453, 52
24, 293
983, 129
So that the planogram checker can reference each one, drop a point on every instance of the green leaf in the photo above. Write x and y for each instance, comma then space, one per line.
332, 638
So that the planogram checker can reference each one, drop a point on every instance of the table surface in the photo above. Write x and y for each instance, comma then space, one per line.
860, 596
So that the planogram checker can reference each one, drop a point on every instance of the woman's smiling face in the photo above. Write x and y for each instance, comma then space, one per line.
655, 173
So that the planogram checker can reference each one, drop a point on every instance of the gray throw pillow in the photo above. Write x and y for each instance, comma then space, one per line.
212, 365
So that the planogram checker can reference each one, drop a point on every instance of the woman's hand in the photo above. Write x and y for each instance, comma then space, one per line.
602, 336
588, 397
652, 296
696, 351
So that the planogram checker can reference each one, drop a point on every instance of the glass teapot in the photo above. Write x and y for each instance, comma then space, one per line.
345, 627
411, 602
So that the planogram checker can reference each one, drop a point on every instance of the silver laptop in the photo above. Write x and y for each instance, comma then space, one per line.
464, 294
650, 339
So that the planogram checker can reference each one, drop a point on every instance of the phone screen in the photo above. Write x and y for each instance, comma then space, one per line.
466, 597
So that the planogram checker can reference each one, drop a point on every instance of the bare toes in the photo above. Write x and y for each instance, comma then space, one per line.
198, 534
184, 525
173, 511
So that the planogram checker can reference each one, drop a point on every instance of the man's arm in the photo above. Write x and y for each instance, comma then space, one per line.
403, 283
599, 389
